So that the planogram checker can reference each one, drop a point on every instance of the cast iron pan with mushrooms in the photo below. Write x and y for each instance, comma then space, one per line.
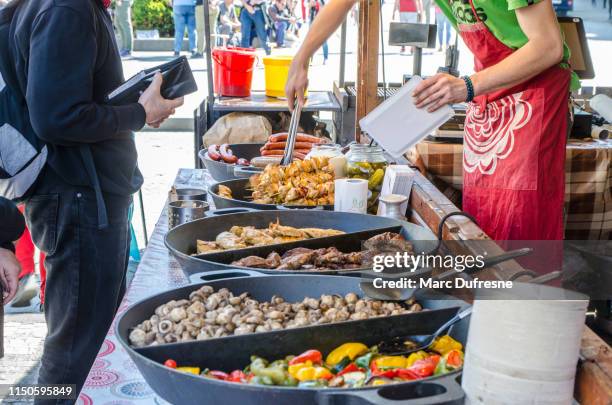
264, 322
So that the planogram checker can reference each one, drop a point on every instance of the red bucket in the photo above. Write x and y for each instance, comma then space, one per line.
233, 71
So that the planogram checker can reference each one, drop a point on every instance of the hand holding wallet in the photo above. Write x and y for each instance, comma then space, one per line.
178, 82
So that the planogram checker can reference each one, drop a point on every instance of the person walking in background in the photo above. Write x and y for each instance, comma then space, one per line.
425, 11
228, 22
315, 7
213, 12
444, 30
184, 17
252, 15
123, 22
409, 12
282, 19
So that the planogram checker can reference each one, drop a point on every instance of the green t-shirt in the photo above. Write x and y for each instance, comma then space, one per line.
499, 17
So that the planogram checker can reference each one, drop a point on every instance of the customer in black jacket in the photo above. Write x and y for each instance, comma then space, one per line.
64, 63
12, 226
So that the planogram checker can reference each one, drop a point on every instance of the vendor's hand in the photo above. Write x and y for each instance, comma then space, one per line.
297, 82
156, 107
439, 90
9, 274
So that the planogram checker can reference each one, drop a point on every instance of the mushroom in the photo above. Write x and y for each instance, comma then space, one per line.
165, 326
138, 337
178, 314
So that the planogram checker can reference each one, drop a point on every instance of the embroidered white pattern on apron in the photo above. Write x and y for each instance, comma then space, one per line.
489, 132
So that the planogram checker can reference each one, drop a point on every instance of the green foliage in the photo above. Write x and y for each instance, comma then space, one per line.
153, 14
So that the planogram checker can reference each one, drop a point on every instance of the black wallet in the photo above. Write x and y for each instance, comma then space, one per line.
178, 82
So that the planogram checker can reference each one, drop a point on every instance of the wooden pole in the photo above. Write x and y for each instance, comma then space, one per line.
367, 59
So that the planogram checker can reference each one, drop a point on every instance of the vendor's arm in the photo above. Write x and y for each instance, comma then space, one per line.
543, 49
326, 23
60, 86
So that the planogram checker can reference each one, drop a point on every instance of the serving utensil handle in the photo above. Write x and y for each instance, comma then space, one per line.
292, 133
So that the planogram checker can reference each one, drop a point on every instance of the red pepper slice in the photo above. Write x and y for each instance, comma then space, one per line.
349, 369
454, 359
376, 372
170, 363
313, 355
407, 374
219, 375
425, 367
236, 376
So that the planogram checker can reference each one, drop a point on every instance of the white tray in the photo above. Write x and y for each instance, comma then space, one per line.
396, 124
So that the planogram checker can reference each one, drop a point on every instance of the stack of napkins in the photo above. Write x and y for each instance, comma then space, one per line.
398, 180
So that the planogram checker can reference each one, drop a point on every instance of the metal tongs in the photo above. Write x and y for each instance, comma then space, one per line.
292, 134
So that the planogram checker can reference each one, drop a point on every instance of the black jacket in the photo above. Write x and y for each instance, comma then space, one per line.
12, 224
65, 61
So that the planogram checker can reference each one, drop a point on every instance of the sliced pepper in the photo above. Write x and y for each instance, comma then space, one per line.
313, 384
276, 374
384, 362
349, 369
445, 344
293, 369
377, 372
364, 361
340, 366
420, 355
407, 374
190, 370
454, 359
313, 373
237, 376
425, 367
350, 350
314, 356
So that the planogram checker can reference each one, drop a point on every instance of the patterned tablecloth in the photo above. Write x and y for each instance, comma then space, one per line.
588, 182
114, 379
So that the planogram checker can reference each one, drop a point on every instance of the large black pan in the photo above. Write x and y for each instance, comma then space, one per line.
233, 352
181, 241
241, 197
221, 171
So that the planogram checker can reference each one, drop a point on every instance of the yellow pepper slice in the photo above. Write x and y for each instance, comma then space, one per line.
390, 362
378, 381
189, 370
350, 350
309, 373
445, 344
295, 368
420, 355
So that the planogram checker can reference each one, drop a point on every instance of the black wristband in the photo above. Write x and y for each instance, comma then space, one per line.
470, 88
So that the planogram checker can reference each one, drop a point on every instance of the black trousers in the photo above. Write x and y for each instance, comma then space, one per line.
86, 270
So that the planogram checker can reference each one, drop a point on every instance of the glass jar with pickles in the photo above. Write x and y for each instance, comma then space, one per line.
368, 163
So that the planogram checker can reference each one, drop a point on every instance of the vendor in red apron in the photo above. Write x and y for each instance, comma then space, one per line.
517, 119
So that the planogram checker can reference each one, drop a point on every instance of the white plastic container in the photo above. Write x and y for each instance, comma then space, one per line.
524, 351
396, 124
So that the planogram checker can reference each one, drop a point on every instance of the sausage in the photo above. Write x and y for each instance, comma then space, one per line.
280, 152
243, 162
212, 152
227, 154
298, 138
282, 145
299, 156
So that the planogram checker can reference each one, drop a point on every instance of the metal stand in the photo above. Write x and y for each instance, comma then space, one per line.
413, 34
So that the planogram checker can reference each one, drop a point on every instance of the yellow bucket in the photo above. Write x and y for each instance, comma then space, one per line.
277, 72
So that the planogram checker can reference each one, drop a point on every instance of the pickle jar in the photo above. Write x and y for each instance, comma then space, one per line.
368, 163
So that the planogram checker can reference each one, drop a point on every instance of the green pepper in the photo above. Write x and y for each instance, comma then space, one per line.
257, 380
290, 381
341, 365
313, 384
275, 372
364, 361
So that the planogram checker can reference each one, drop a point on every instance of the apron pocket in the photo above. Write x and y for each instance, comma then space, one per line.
502, 141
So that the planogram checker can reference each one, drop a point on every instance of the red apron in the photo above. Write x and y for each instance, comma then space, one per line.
514, 148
